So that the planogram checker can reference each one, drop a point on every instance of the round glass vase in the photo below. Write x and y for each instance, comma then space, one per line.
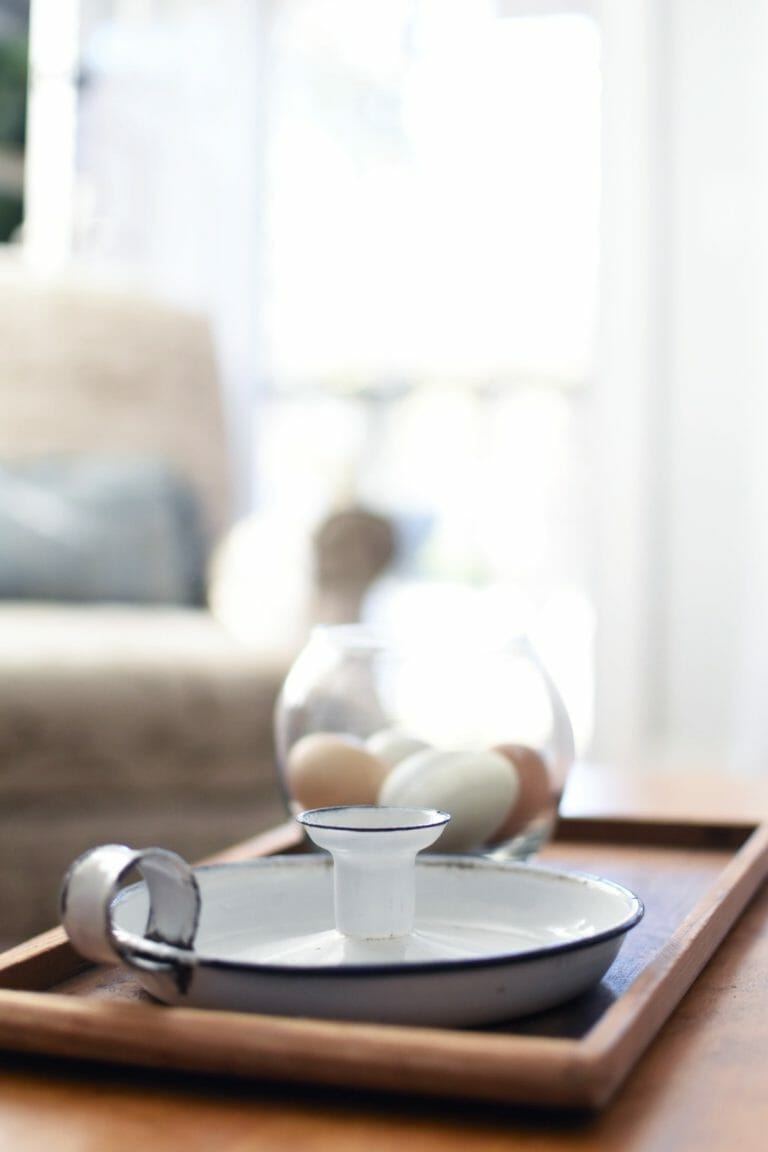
469, 726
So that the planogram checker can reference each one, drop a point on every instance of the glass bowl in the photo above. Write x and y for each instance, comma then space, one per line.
474, 727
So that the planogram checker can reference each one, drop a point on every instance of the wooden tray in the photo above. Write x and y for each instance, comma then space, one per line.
695, 880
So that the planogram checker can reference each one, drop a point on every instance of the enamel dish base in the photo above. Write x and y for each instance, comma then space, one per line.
491, 941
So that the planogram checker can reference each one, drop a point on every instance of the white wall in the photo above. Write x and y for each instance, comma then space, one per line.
684, 553
718, 312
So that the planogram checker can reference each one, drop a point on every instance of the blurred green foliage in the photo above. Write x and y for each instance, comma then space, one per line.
13, 91
13, 121
11, 213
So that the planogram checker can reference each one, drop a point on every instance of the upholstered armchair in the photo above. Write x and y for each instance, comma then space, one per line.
129, 710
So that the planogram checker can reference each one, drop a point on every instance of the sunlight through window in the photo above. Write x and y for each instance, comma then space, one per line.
433, 190
433, 193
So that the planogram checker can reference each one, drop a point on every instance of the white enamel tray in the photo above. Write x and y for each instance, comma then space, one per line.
490, 940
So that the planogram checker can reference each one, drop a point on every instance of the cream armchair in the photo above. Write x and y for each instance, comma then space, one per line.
129, 710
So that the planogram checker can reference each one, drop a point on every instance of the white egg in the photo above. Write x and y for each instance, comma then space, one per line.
391, 745
475, 787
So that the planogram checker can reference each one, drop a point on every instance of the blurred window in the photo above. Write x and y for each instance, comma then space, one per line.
391, 211
432, 238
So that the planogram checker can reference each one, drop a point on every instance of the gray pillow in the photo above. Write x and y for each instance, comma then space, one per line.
100, 529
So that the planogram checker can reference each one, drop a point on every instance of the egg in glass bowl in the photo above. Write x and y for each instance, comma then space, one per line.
472, 726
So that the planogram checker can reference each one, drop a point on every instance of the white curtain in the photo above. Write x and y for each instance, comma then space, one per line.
168, 167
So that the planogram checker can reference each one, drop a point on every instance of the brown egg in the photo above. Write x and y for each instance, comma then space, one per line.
326, 768
535, 794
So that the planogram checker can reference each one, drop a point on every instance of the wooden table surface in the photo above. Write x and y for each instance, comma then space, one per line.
703, 1083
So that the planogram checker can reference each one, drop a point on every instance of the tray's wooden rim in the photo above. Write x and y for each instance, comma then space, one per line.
490, 1066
